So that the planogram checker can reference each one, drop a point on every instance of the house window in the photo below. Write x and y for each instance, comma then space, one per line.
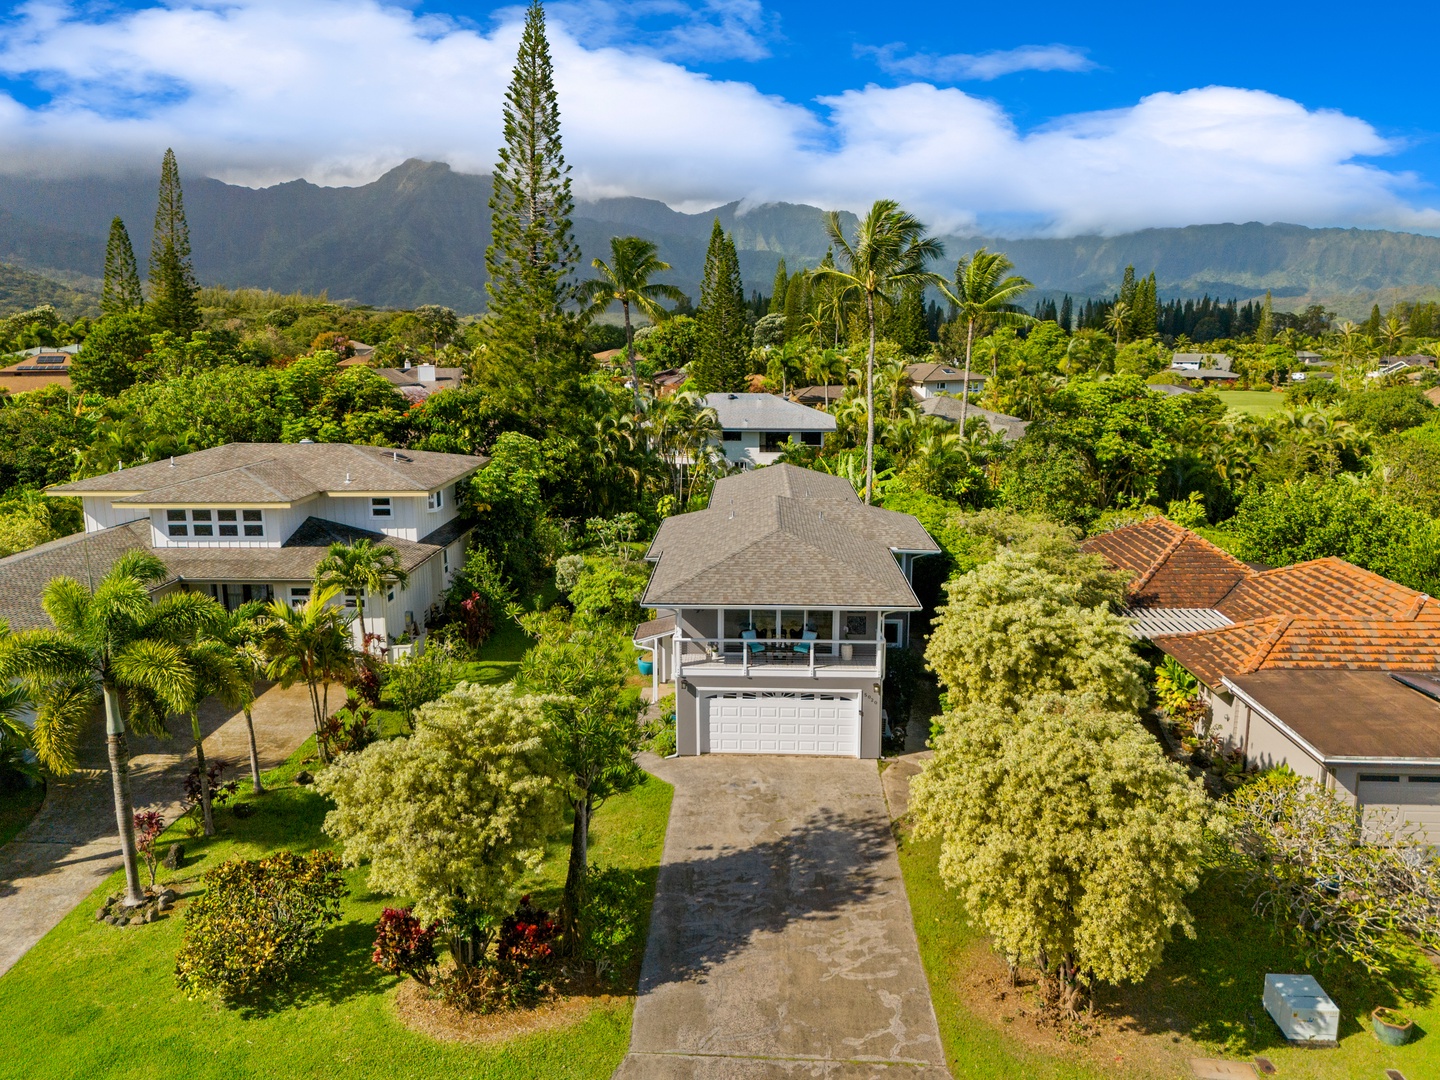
1379, 778
812, 438
730, 436
299, 595
227, 522
380, 508
203, 526
176, 520
773, 442
390, 595
1424, 779
435, 500
445, 560
254, 522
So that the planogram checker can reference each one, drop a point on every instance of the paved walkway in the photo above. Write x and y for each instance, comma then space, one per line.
71, 846
781, 944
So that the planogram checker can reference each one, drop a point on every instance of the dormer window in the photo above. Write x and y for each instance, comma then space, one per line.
176, 521
254, 522
380, 508
205, 524
435, 500
227, 522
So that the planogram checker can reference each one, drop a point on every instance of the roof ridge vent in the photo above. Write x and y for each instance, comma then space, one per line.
347, 478
172, 461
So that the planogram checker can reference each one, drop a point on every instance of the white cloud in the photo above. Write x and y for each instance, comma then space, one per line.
958, 67
257, 91
673, 29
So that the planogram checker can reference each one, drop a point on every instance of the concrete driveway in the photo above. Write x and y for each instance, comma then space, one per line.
781, 944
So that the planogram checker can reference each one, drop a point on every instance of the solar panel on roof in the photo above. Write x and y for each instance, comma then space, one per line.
51, 358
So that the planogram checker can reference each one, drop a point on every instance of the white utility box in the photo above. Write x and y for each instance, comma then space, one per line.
1303, 1010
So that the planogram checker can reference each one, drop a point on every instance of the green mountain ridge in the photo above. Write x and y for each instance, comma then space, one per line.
418, 235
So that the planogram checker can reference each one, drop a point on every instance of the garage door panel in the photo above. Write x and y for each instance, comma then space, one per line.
783, 723
1411, 800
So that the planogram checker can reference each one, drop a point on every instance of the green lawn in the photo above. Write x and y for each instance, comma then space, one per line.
90, 1000
1204, 1000
17, 808
1254, 402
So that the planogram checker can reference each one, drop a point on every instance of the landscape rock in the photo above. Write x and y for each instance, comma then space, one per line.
303, 777
175, 857
244, 810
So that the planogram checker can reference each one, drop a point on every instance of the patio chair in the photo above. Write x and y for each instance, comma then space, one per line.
803, 647
756, 648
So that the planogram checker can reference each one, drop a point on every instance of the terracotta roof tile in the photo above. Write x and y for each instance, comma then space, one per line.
1288, 642
1324, 587
1170, 565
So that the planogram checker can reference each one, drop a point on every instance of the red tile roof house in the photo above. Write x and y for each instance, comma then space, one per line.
250, 521
1323, 666
774, 607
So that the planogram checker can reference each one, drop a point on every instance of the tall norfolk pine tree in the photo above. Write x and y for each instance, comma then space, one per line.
723, 354
174, 305
121, 291
533, 352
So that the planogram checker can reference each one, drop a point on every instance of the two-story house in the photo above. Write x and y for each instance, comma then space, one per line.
929, 379
775, 607
754, 428
250, 521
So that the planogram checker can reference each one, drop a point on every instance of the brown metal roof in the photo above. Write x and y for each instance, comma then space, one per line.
1356, 715
783, 535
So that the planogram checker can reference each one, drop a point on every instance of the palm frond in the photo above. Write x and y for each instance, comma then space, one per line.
61, 713
157, 667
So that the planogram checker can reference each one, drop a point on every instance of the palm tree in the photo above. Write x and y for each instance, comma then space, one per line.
983, 294
1117, 319
1394, 331
240, 631
358, 568
107, 641
890, 251
213, 665
627, 282
308, 644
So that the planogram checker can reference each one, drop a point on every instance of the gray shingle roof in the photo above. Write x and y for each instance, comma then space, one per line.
766, 412
296, 469
948, 408
87, 557
931, 372
784, 535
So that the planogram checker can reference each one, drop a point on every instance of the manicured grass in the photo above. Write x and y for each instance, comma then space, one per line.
17, 807
90, 1000
1254, 402
1203, 1001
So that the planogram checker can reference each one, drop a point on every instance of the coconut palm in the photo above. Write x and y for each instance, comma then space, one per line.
1118, 319
310, 644
359, 568
626, 281
215, 670
1393, 332
108, 641
983, 294
889, 252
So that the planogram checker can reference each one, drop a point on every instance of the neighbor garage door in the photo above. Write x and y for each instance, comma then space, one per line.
757, 723
1414, 798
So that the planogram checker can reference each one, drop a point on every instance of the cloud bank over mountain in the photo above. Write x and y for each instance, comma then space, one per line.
338, 91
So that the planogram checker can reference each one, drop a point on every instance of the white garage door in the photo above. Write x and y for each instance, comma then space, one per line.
1415, 798
756, 723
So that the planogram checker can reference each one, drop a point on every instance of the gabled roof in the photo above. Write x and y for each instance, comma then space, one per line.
948, 408
766, 412
1326, 587
930, 372
788, 536
287, 471
1170, 566
1289, 642
86, 557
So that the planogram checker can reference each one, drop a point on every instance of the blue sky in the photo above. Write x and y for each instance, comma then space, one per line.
1062, 119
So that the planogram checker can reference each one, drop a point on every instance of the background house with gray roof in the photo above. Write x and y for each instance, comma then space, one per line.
754, 428
250, 521
774, 609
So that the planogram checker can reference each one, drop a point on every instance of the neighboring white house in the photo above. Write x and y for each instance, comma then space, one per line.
1195, 361
754, 428
775, 605
930, 379
250, 521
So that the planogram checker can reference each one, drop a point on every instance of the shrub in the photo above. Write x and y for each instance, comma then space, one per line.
527, 936
659, 733
611, 920
220, 790
256, 922
403, 946
419, 680
148, 827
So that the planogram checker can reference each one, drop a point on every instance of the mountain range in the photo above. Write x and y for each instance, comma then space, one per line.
418, 235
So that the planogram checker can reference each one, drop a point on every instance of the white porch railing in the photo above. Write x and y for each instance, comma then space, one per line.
777, 655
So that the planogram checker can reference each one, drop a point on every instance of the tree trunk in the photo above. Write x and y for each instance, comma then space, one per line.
360, 614
870, 403
120, 782
965, 386
255, 784
575, 874
207, 814
630, 356
318, 711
